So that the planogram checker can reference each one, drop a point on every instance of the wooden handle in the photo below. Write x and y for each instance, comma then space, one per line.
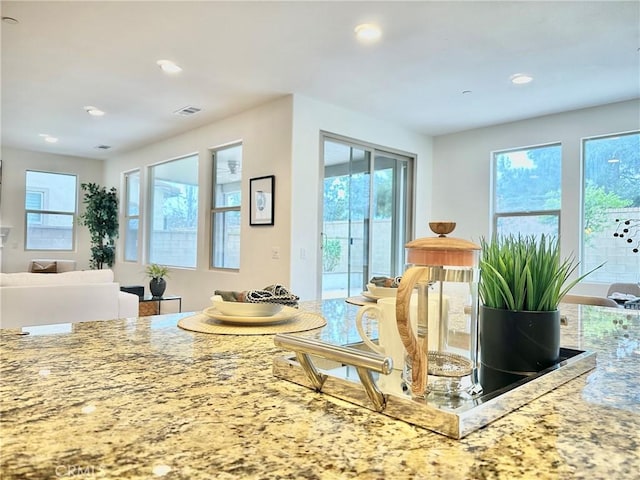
407, 335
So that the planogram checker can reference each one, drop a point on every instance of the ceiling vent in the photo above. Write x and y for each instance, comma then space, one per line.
186, 111
102, 147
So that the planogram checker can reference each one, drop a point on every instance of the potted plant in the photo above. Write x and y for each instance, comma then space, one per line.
157, 273
101, 218
522, 281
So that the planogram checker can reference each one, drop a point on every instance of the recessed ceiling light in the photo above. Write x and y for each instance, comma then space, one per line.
466, 92
168, 66
520, 78
368, 32
50, 139
10, 20
96, 112
614, 160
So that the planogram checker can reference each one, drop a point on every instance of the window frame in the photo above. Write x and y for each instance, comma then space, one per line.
127, 216
496, 216
222, 210
585, 263
44, 211
41, 194
369, 159
150, 211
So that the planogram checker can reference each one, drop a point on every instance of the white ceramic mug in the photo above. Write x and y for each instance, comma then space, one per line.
389, 342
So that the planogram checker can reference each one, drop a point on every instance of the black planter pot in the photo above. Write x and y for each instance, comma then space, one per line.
157, 286
514, 345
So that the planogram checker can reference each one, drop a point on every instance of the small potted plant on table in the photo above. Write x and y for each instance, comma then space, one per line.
157, 274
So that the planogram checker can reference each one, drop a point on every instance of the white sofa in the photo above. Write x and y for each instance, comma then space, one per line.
29, 299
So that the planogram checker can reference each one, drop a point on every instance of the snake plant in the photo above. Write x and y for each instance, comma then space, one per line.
525, 273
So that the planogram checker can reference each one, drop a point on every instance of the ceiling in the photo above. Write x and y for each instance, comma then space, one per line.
63, 56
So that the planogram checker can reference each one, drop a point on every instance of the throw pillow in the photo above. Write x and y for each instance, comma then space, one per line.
37, 267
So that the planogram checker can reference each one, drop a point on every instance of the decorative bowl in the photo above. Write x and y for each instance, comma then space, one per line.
381, 291
243, 309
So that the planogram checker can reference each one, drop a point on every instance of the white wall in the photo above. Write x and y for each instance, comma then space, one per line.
310, 117
280, 138
283, 138
265, 133
13, 256
272, 145
462, 166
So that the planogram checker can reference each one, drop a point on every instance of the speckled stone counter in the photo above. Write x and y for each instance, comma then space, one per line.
144, 399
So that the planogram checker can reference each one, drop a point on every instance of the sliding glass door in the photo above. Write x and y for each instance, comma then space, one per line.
365, 215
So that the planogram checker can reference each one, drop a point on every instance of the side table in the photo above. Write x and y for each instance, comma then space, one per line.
150, 305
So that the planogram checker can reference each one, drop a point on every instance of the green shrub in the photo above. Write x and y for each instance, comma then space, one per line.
331, 252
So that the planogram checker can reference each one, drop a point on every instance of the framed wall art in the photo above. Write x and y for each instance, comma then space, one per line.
261, 200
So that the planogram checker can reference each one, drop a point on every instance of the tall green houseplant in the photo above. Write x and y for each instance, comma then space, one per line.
101, 218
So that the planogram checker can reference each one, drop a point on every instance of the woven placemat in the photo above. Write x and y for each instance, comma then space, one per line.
204, 324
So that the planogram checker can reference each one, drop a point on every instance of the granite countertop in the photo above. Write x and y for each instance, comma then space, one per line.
143, 399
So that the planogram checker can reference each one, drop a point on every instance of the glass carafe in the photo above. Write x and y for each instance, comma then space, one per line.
442, 355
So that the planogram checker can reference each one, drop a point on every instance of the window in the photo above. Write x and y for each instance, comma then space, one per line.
366, 214
527, 191
35, 201
50, 210
611, 197
173, 207
225, 207
131, 215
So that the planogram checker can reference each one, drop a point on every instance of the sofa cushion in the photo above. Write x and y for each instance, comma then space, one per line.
50, 267
62, 265
75, 277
